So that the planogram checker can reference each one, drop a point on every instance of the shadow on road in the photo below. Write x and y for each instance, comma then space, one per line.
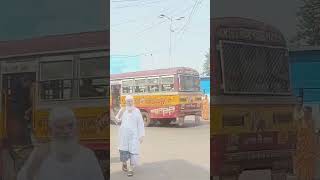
166, 170
187, 124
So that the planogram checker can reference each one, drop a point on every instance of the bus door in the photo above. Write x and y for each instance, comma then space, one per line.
17, 108
17, 89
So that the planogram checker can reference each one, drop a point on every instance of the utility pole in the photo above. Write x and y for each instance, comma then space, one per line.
170, 31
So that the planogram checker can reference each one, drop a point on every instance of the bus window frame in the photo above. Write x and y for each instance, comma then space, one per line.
135, 85
127, 79
189, 75
93, 97
158, 84
42, 80
79, 77
167, 76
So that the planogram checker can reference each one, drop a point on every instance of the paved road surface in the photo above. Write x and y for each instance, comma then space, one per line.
168, 153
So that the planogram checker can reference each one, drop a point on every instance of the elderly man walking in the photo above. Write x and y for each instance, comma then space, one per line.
63, 158
131, 134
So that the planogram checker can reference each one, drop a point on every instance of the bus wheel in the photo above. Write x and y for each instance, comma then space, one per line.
146, 119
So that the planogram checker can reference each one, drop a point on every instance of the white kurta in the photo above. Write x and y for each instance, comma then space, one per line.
84, 166
131, 130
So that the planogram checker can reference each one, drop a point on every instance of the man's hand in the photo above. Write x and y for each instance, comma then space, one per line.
141, 140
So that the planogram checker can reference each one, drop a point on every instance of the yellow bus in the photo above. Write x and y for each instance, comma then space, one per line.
252, 106
69, 70
162, 95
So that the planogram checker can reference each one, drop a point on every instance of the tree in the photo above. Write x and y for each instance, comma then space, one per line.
308, 23
206, 65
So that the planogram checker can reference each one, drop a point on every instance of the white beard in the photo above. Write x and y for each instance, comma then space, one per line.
64, 149
130, 108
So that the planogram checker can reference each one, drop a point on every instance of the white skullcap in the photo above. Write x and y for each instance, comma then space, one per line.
61, 113
129, 97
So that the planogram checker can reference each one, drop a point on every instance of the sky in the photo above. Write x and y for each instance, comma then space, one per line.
124, 64
279, 13
137, 30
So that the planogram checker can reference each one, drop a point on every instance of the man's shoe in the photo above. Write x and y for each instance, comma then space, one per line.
130, 171
124, 167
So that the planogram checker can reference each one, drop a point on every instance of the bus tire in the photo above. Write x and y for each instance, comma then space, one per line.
146, 119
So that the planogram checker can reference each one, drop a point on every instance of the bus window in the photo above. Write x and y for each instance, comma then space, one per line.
189, 83
141, 86
232, 120
56, 80
127, 86
93, 78
153, 85
93, 87
167, 84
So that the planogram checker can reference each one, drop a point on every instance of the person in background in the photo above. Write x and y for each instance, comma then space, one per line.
63, 158
205, 108
131, 134
306, 152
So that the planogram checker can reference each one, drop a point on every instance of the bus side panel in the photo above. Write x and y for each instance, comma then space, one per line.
215, 122
281, 136
168, 112
153, 100
249, 126
87, 122
217, 146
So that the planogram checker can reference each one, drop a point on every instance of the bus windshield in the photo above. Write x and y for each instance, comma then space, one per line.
189, 83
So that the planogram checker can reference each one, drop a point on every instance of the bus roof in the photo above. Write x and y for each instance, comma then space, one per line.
53, 44
156, 72
245, 23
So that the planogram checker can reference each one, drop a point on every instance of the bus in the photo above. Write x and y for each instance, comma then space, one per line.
73, 73
253, 124
162, 95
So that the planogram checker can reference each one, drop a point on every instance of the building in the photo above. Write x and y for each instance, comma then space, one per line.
305, 77
205, 85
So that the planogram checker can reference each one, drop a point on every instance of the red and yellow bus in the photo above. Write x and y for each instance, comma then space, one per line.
163, 95
73, 74
252, 107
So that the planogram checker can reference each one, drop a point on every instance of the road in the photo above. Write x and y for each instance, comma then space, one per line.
168, 153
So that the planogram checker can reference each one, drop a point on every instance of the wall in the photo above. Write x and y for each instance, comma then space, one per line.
305, 73
205, 85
